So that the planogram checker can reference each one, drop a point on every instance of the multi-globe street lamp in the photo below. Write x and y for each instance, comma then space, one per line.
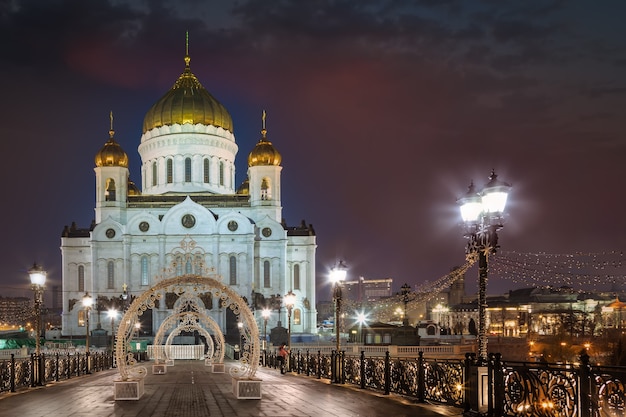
112, 313
290, 301
37, 281
87, 304
482, 212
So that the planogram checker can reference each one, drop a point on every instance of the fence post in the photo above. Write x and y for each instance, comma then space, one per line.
299, 362
42, 369
68, 371
490, 383
308, 363
32, 370
342, 366
421, 378
587, 392
468, 388
56, 360
12, 372
498, 387
362, 364
387, 373
333, 366
319, 364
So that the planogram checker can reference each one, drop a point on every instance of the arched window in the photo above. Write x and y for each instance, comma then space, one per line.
110, 275
233, 271
188, 267
221, 173
81, 278
187, 169
144, 271
170, 170
265, 189
297, 316
266, 274
109, 193
154, 174
206, 170
296, 277
179, 266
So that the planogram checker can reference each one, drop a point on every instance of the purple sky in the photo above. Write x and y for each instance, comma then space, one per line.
383, 112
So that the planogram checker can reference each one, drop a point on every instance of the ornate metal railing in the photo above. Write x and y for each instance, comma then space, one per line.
510, 388
36, 371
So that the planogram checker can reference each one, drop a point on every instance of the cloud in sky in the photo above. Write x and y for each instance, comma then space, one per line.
383, 111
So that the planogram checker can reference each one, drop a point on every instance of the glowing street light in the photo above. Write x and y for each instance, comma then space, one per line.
37, 281
87, 304
290, 301
482, 213
266, 315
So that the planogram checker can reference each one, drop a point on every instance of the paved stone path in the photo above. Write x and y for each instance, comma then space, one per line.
189, 389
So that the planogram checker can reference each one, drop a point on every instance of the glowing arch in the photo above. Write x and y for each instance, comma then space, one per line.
211, 346
189, 320
193, 285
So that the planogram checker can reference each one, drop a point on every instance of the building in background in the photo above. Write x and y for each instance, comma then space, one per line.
188, 199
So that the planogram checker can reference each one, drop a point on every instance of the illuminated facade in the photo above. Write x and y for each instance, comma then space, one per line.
188, 202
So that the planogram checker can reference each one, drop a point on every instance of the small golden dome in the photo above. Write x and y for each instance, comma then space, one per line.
264, 152
133, 189
187, 102
244, 188
111, 154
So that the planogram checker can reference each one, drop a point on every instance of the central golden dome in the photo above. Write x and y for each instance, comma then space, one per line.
187, 102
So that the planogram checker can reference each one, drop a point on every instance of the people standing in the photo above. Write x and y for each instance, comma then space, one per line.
283, 353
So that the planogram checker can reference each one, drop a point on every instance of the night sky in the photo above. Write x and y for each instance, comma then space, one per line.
383, 111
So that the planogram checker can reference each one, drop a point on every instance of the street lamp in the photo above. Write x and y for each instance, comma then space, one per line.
290, 300
361, 318
112, 315
37, 282
482, 213
337, 276
266, 315
240, 327
406, 290
87, 304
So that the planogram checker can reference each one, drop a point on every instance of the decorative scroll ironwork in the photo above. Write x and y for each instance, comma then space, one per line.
540, 391
444, 382
610, 390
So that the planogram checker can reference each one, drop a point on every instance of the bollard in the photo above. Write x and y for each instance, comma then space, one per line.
387, 373
362, 377
421, 378
12, 372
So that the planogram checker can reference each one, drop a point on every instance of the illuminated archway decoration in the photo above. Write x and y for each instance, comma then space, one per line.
210, 348
188, 321
191, 285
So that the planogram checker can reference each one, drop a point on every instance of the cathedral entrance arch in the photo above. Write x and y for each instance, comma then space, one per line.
191, 285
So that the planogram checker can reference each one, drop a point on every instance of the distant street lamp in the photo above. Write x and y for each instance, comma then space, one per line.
337, 276
266, 315
482, 213
112, 315
37, 282
290, 301
240, 327
87, 304
361, 318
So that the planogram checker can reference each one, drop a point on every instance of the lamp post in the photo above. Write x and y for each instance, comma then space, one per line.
37, 282
406, 290
482, 213
87, 304
290, 301
266, 315
112, 315
337, 276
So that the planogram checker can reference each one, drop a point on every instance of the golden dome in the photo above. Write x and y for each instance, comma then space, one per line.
111, 154
264, 152
133, 189
244, 188
187, 102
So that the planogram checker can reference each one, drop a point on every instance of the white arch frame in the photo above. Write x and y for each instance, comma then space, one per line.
211, 346
187, 320
194, 284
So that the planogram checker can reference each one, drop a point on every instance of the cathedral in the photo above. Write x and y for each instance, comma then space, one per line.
188, 201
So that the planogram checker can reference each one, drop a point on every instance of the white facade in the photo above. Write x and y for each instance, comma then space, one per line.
188, 197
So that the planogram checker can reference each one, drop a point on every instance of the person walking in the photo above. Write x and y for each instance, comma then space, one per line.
283, 354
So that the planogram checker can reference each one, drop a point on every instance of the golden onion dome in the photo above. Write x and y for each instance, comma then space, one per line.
111, 154
244, 188
133, 189
187, 102
264, 152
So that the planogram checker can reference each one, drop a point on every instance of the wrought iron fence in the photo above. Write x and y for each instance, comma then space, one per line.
509, 388
35, 371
